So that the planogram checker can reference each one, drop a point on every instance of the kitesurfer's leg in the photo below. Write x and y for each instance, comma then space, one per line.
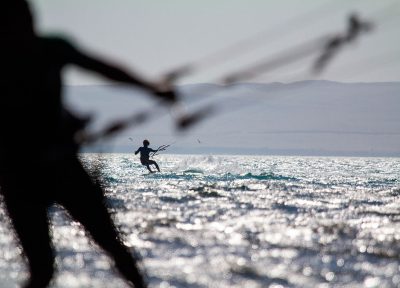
148, 167
86, 203
30, 222
155, 164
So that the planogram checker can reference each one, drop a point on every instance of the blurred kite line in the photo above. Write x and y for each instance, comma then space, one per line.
323, 48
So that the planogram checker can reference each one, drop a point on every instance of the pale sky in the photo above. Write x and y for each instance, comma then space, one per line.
153, 36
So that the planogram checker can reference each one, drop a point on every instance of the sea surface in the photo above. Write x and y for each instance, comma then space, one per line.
235, 221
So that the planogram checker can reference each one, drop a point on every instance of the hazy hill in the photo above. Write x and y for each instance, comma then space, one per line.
301, 118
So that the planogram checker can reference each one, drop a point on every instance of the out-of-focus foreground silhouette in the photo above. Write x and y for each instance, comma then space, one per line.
38, 149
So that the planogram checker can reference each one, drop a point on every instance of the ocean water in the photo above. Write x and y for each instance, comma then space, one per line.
236, 221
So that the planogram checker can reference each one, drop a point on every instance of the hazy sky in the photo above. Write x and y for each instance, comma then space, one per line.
153, 36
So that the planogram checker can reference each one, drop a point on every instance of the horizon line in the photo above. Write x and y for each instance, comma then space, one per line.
241, 83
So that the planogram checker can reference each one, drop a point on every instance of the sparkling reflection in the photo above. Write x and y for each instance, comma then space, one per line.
234, 221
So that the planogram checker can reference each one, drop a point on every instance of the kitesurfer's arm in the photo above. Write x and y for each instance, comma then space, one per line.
137, 151
116, 72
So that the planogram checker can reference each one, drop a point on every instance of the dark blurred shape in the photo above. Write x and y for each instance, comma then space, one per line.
178, 73
281, 59
168, 98
329, 45
113, 128
189, 120
38, 149
356, 26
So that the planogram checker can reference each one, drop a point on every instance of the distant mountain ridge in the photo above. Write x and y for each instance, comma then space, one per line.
314, 117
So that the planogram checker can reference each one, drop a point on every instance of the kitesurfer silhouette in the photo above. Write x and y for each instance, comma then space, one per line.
49, 172
145, 156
